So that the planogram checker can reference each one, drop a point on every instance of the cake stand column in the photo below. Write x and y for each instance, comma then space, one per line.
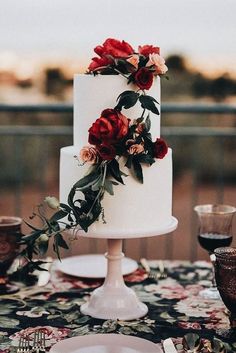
114, 300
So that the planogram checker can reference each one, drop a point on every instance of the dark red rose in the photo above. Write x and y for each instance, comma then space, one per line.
115, 48
111, 127
106, 152
160, 148
145, 50
96, 63
143, 78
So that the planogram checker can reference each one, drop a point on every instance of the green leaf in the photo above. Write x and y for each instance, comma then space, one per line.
145, 158
147, 102
127, 99
31, 237
87, 181
60, 241
114, 169
97, 185
108, 185
138, 170
65, 207
58, 215
192, 341
128, 163
148, 123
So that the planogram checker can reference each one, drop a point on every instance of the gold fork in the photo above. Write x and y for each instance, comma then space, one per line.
39, 342
151, 274
23, 346
162, 270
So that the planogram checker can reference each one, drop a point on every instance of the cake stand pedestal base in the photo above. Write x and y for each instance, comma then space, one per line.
114, 300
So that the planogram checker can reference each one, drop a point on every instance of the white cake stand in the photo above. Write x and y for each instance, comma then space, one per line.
114, 300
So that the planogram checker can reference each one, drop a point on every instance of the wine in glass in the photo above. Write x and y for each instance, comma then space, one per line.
214, 231
225, 274
10, 232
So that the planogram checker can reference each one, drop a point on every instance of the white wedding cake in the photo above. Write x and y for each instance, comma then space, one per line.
136, 209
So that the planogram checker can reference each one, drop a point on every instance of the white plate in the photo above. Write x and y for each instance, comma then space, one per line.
105, 343
92, 266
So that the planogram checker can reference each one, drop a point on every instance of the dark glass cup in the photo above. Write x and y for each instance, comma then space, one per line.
225, 275
10, 233
214, 231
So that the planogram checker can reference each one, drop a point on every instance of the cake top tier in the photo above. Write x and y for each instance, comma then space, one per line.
94, 94
122, 79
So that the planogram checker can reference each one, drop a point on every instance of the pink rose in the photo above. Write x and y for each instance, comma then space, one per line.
89, 154
158, 62
134, 60
136, 149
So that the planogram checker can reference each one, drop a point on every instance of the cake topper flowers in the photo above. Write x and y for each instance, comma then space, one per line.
118, 57
114, 142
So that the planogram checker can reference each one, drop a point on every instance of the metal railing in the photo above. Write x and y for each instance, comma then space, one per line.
176, 132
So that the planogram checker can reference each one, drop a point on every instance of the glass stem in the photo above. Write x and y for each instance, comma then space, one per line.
213, 259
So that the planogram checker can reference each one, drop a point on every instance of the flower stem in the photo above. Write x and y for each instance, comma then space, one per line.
101, 189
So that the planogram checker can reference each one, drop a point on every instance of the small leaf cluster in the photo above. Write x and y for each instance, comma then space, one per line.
128, 99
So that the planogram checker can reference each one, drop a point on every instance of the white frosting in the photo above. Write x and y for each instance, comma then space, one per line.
135, 210
93, 94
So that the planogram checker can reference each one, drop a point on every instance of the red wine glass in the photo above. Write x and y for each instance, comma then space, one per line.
10, 233
225, 274
214, 231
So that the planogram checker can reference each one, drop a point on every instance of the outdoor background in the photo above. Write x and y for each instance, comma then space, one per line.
44, 43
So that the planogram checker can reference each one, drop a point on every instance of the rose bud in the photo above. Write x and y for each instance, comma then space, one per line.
160, 148
134, 60
52, 202
43, 238
144, 78
159, 64
89, 154
136, 149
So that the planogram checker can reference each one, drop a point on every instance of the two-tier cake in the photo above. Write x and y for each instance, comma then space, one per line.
119, 168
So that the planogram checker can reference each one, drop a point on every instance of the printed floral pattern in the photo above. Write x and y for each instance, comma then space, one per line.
175, 308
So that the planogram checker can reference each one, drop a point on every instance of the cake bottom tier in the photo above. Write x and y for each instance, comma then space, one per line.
135, 209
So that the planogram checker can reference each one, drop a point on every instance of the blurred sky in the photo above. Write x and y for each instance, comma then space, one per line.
204, 30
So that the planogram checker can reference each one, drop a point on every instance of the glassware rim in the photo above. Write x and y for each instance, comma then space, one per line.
231, 209
10, 221
223, 251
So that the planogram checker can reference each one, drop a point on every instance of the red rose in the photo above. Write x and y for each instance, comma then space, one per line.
143, 78
115, 48
106, 151
99, 62
160, 148
111, 127
145, 50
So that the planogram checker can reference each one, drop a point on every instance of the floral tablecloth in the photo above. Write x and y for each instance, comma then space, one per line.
175, 308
